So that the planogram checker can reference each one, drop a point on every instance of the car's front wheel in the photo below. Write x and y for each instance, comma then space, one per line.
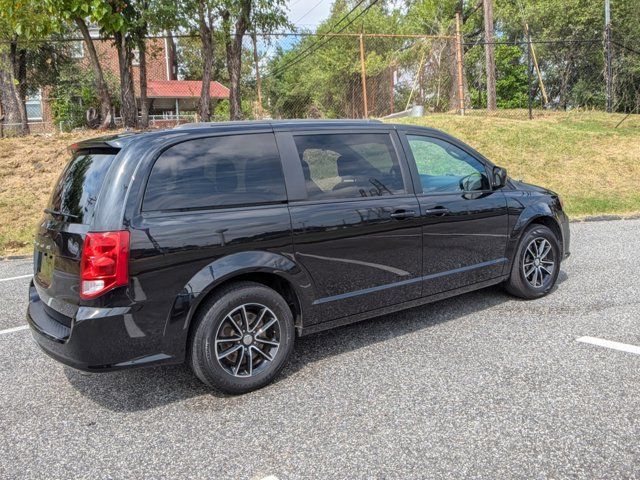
242, 338
536, 264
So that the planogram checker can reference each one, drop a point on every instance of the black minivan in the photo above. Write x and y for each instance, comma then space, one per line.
218, 244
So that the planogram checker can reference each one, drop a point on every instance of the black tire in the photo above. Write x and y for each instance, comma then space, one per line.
245, 369
527, 285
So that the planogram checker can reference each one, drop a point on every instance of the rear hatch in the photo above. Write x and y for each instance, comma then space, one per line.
60, 235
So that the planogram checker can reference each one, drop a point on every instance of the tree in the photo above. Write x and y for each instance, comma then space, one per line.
75, 13
20, 23
263, 16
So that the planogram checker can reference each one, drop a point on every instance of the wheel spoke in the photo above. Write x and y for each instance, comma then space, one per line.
235, 325
266, 327
239, 361
229, 351
228, 339
264, 354
262, 313
535, 277
250, 361
245, 318
545, 252
267, 342
528, 274
542, 267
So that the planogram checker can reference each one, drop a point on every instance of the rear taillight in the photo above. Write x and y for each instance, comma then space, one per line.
104, 265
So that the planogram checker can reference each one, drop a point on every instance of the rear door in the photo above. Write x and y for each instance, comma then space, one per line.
355, 219
464, 220
60, 235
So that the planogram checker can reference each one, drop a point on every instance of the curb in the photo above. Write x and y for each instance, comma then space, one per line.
15, 257
605, 218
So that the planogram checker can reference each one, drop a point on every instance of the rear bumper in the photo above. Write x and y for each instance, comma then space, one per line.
98, 339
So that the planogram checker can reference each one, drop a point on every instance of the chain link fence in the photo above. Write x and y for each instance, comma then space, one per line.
365, 75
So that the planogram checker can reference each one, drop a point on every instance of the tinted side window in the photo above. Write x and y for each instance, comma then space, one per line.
349, 165
217, 171
443, 167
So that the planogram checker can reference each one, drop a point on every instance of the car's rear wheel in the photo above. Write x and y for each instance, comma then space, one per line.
536, 265
242, 338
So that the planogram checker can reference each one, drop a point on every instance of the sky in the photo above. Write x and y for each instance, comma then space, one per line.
308, 13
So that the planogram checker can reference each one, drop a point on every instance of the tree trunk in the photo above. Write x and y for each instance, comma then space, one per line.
16, 72
256, 61
8, 96
234, 56
128, 110
489, 51
106, 107
144, 101
233, 66
204, 105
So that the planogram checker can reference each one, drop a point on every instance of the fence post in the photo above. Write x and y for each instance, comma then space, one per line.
529, 76
364, 77
608, 56
459, 61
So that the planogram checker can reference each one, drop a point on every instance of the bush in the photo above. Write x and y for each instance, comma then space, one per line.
75, 93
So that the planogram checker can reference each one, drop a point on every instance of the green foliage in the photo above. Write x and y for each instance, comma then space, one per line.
74, 93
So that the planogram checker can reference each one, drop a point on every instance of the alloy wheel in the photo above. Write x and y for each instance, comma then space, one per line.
538, 262
247, 340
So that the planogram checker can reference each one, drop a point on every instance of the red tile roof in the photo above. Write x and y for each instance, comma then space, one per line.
183, 89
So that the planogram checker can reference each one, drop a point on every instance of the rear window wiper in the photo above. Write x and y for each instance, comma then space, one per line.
61, 214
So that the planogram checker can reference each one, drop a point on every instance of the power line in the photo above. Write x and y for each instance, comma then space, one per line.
320, 43
305, 50
309, 11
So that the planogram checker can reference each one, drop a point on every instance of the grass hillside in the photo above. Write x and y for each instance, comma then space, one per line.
595, 167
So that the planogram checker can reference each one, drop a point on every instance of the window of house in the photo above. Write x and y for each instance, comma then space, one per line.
444, 168
349, 165
135, 57
34, 106
216, 172
76, 49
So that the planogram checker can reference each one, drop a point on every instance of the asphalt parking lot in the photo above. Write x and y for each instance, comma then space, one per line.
479, 386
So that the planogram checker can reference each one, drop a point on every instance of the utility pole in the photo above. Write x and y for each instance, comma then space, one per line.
489, 52
608, 55
459, 61
363, 74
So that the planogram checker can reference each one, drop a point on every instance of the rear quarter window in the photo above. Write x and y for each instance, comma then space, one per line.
77, 190
216, 172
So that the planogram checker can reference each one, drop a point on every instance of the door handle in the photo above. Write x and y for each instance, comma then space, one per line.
402, 214
436, 211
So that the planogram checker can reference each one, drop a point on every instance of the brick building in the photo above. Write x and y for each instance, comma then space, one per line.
169, 96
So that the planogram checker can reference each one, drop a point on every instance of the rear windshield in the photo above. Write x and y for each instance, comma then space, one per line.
78, 187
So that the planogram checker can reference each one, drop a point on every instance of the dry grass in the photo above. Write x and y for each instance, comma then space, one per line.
595, 167
29, 168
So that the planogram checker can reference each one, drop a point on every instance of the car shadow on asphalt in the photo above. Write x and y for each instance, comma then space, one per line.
147, 388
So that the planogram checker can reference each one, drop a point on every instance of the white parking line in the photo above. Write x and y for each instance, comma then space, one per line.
623, 347
14, 329
15, 278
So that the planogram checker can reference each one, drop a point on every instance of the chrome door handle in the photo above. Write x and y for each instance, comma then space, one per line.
402, 214
436, 211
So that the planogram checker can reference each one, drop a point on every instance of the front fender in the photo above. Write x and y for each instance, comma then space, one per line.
220, 271
529, 214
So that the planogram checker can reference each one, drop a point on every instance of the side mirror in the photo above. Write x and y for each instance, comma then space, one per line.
499, 177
